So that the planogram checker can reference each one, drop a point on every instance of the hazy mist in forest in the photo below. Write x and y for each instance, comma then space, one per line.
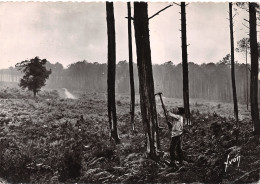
70, 32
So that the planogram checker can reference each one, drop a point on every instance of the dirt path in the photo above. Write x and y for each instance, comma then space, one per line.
68, 94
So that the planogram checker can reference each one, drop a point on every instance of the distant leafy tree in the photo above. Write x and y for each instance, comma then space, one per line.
243, 45
225, 60
35, 74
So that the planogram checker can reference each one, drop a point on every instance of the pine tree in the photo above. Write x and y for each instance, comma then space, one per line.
254, 67
146, 83
233, 78
131, 73
35, 74
185, 63
111, 71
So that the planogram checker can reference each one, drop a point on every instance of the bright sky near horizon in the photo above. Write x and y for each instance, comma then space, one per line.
70, 32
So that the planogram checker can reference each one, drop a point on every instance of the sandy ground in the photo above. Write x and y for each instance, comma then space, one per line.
68, 94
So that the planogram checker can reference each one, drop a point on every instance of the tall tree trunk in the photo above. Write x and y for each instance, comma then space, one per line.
233, 79
254, 68
246, 81
131, 73
111, 71
185, 63
146, 83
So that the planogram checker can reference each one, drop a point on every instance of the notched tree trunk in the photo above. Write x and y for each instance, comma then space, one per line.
146, 83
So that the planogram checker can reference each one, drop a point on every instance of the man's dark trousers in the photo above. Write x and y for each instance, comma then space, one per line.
176, 148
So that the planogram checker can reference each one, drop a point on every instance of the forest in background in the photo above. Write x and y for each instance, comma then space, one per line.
209, 81
50, 139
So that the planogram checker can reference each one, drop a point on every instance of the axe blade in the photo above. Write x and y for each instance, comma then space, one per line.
159, 93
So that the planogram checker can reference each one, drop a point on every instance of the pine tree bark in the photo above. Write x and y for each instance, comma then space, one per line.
146, 83
111, 71
185, 63
233, 78
131, 73
254, 68
246, 81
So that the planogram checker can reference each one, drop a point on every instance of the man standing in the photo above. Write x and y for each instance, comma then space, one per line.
176, 136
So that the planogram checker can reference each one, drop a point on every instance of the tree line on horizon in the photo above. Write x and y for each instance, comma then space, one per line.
209, 81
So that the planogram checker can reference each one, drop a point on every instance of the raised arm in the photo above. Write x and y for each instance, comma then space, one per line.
167, 120
174, 116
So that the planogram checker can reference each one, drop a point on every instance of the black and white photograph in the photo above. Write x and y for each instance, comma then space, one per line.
129, 92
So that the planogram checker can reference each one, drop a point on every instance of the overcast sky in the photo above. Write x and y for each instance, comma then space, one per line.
70, 32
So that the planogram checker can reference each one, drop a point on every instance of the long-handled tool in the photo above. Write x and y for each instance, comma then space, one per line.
164, 110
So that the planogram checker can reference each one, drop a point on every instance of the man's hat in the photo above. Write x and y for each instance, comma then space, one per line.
181, 111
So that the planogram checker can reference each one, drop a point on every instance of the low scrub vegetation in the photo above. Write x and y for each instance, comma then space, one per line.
43, 141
